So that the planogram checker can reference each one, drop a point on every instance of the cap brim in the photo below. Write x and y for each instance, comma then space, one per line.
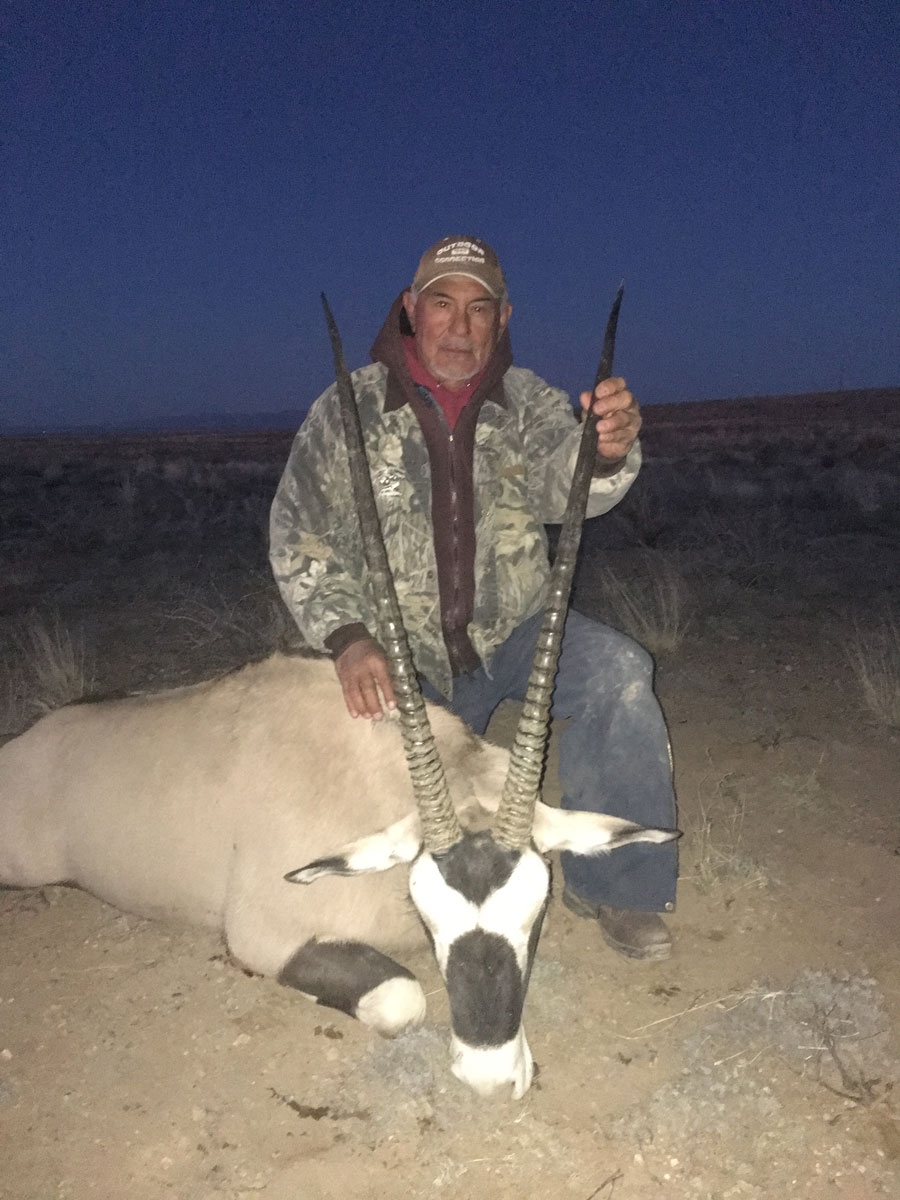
446, 274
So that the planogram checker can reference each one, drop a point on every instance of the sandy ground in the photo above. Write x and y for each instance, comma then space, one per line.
761, 1060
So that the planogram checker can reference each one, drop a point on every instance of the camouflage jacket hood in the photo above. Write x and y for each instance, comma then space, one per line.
510, 460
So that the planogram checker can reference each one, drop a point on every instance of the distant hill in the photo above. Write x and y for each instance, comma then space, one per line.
741, 422
745, 421
181, 423
796, 406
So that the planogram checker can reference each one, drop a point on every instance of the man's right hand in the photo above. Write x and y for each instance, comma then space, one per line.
364, 676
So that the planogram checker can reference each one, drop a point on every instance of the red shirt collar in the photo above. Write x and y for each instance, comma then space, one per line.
452, 403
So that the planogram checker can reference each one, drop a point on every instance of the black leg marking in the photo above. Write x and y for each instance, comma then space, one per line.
339, 974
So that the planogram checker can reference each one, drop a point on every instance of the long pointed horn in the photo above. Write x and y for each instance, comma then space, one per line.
440, 826
515, 816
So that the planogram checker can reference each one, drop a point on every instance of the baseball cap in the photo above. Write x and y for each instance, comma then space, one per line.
461, 256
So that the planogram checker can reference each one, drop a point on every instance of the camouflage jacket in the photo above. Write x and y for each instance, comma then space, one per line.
524, 456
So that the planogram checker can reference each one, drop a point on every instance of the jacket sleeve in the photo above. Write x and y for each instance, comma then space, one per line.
314, 542
551, 434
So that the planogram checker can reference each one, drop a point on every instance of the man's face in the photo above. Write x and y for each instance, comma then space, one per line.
456, 322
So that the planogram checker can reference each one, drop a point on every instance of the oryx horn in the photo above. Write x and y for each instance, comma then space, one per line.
515, 816
440, 826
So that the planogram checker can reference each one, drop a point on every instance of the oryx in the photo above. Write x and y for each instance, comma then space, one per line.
205, 803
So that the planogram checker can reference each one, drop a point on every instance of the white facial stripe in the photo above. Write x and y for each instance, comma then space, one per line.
509, 912
447, 914
487, 1070
512, 910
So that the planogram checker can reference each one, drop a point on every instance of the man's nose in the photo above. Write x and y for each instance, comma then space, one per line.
459, 322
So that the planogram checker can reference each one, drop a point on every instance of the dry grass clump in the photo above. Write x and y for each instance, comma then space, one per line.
53, 666
251, 624
874, 652
649, 605
716, 839
13, 715
757, 552
58, 662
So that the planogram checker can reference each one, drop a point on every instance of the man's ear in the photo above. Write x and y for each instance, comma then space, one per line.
505, 314
409, 307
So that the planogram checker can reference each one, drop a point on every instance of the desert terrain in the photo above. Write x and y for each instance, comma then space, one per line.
758, 558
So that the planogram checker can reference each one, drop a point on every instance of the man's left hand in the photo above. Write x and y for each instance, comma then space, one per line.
618, 417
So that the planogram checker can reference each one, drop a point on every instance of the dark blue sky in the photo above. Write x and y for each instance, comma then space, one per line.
181, 179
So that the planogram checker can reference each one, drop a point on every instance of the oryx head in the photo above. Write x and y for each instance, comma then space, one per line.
481, 896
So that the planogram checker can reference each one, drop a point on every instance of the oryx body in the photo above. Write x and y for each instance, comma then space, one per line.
194, 804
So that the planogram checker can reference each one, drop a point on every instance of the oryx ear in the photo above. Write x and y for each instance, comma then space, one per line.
589, 833
398, 843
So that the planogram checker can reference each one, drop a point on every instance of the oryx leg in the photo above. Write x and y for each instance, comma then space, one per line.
359, 980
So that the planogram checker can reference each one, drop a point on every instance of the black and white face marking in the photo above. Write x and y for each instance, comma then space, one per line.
483, 907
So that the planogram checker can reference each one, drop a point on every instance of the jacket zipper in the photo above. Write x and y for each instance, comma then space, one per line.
454, 525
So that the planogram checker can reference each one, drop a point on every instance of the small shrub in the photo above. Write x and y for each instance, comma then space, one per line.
650, 604
54, 663
13, 715
717, 842
874, 653
755, 547
247, 626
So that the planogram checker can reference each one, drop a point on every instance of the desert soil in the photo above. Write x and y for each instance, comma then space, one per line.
761, 1060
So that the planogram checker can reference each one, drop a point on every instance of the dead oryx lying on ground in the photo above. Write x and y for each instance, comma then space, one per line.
198, 804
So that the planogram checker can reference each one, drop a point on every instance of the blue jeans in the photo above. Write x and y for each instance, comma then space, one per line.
613, 751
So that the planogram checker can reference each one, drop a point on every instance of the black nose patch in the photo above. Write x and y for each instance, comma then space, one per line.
476, 866
485, 987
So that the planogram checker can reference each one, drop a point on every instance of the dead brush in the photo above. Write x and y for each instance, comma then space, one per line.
13, 714
716, 836
874, 654
251, 625
755, 550
53, 663
649, 605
